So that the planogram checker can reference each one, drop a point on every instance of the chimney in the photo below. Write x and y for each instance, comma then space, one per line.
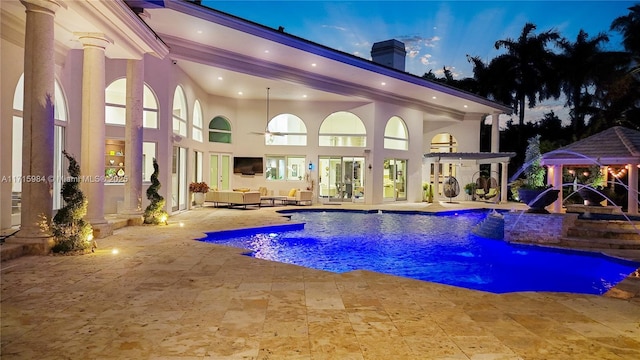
389, 53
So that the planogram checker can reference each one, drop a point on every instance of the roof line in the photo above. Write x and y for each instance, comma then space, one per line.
253, 28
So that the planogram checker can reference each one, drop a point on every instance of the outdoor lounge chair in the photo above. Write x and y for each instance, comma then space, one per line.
493, 192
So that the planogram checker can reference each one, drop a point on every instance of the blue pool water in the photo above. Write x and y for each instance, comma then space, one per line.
437, 248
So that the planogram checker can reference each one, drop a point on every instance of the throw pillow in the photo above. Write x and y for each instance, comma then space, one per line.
292, 193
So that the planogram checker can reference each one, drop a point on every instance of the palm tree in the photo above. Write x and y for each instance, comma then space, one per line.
491, 82
629, 26
529, 64
581, 65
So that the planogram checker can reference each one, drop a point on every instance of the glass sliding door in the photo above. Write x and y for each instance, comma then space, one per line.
394, 180
179, 179
341, 179
219, 171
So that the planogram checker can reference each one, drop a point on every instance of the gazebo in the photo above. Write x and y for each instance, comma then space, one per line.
615, 147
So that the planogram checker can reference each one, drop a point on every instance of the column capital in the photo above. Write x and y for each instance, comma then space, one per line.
43, 6
91, 39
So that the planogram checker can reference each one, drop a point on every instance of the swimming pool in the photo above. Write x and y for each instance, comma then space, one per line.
438, 248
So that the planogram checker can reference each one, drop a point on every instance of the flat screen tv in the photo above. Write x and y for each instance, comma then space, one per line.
247, 165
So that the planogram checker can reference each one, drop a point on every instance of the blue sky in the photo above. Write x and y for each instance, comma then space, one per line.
435, 33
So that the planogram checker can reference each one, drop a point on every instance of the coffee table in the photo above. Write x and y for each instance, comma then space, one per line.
272, 199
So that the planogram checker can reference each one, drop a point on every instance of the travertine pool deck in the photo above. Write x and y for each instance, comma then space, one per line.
166, 296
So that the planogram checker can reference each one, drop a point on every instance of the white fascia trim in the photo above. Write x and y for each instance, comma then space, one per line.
127, 29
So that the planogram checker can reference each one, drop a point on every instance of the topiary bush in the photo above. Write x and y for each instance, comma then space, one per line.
154, 213
70, 232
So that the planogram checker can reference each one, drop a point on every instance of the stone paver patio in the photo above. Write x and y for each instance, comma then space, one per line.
166, 296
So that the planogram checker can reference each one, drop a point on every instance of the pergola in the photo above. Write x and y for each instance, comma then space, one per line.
614, 147
478, 158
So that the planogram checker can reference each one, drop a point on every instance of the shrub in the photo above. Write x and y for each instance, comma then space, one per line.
154, 213
70, 231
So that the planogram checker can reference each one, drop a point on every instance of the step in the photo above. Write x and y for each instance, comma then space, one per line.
10, 251
599, 243
608, 224
491, 227
605, 233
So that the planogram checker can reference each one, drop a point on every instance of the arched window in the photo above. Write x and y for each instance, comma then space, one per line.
179, 112
197, 122
115, 99
444, 142
342, 129
395, 134
219, 130
149, 108
286, 129
116, 103
60, 123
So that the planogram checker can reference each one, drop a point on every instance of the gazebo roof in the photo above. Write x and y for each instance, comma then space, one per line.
615, 146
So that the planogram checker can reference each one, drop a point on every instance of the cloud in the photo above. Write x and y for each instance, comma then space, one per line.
417, 41
426, 59
334, 27
412, 53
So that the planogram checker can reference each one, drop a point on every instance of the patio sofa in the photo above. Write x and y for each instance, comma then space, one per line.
297, 196
233, 198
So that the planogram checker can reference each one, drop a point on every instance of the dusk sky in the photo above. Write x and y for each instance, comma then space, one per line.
435, 33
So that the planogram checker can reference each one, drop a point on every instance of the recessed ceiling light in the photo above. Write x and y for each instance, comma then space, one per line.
383, 83
313, 64
304, 96
219, 77
199, 31
266, 51
466, 106
433, 97
239, 92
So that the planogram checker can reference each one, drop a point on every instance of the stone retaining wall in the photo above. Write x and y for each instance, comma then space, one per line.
537, 228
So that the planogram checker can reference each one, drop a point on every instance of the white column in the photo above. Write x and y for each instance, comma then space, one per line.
133, 137
495, 140
632, 197
38, 123
436, 179
554, 178
503, 182
93, 128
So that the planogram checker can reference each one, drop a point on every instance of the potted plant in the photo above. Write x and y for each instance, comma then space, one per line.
427, 192
198, 189
533, 190
470, 188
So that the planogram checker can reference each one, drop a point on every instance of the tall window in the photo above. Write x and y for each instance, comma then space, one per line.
60, 123
148, 153
115, 98
197, 122
286, 129
116, 103
342, 129
179, 112
219, 130
395, 134
285, 167
149, 109
444, 142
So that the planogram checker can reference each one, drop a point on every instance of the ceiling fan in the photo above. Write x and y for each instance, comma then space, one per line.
266, 131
